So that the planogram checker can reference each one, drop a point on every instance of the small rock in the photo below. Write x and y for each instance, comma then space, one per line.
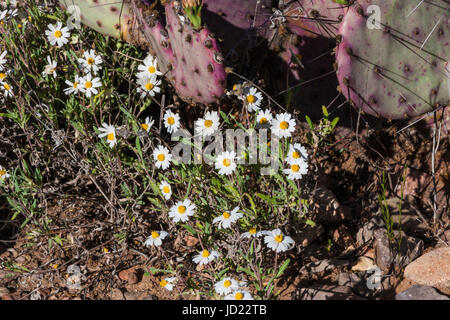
366, 234
348, 279
326, 207
383, 253
323, 266
116, 294
3, 292
363, 264
191, 241
387, 254
327, 292
410, 249
418, 292
432, 269
129, 275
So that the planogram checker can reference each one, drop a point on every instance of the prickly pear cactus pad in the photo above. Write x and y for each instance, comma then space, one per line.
395, 68
189, 56
198, 71
313, 18
112, 18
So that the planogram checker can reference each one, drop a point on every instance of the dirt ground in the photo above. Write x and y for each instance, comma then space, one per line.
351, 170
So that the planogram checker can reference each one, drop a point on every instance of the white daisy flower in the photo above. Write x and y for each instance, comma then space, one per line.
263, 119
182, 210
7, 89
3, 60
252, 99
155, 239
3, 174
90, 62
205, 257
3, 76
162, 157
171, 121
168, 283
226, 162
148, 86
297, 169
283, 125
147, 124
88, 85
3, 16
296, 152
227, 218
207, 125
239, 295
278, 242
109, 132
74, 87
251, 233
166, 190
12, 13
58, 34
226, 286
50, 68
149, 68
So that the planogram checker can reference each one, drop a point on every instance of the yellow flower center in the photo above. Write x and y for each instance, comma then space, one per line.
252, 231
2, 75
239, 296
251, 98
295, 155
2, 173
149, 86
161, 157
6, 86
284, 125
90, 61
208, 123
75, 84
279, 238
227, 283
166, 189
151, 69
88, 84
263, 120
226, 215
144, 126
226, 162
163, 283
171, 120
295, 168
110, 136
155, 235
205, 253
181, 209
58, 34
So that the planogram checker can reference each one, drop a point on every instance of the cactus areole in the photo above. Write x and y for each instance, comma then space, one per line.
392, 56
187, 53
